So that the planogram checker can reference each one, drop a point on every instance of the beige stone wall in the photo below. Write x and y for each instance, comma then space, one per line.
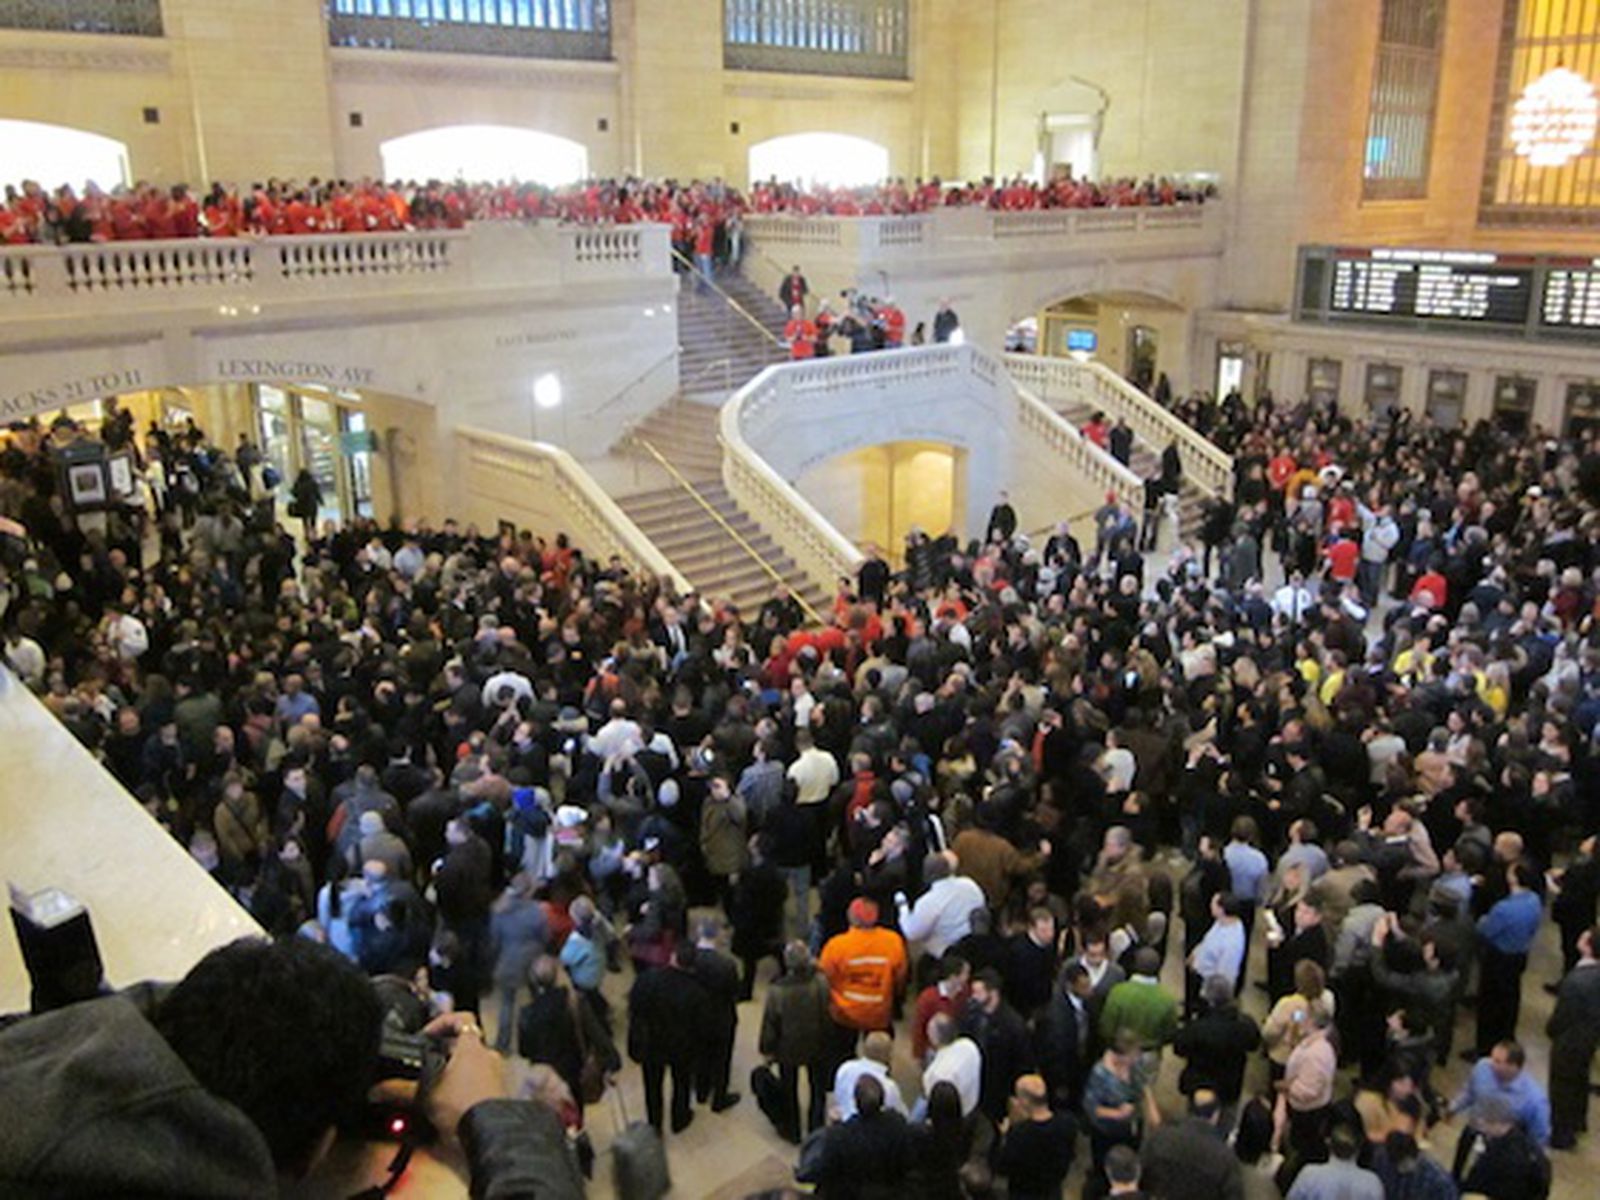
397, 93
1171, 70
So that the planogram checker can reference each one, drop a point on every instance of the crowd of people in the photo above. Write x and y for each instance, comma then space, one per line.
33, 213
970, 822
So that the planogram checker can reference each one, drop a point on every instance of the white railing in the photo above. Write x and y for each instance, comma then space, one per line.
535, 484
753, 414
958, 228
803, 533
1205, 463
240, 272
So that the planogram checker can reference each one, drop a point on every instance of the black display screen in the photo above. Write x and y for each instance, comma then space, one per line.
1433, 290
1571, 297
1536, 296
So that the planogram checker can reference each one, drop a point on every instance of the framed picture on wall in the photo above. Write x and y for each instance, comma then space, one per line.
119, 472
86, 485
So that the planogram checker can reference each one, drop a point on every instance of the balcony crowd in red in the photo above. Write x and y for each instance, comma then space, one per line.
33, 214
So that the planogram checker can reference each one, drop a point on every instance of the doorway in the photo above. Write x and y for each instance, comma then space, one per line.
1143, 345
1230, 368
1447, 398
299, 427
1067, 146
876, 494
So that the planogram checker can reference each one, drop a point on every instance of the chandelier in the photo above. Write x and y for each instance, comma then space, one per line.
1555, 118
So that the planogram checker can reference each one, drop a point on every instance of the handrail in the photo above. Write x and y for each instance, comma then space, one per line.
670, 357
610, 522
727, 299
1205, 464
839, 555
693, 491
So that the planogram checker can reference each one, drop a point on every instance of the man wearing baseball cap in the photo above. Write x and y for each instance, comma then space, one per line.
866, 970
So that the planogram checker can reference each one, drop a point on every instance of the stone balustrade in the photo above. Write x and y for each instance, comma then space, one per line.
240, 275
1093, 384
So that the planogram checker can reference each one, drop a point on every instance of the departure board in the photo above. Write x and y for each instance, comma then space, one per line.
1525, 295
1571, 296
1449, 291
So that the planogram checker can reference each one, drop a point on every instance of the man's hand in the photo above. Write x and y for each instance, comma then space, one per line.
474, 1072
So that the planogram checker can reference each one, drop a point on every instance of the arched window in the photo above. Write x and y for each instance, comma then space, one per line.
828, 159
54, 154
485, 152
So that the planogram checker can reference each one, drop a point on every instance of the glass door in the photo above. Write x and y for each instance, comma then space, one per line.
1142, 346
357, 444
1323, 376
1514, 397
319, 451
1447, 398
1583, 409
1383, 389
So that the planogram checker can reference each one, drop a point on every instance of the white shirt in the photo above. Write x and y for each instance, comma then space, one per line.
815, 774
1292, 602
27, 659
942, 915
617, 736
961, 1065
518, 684
844, 1087
128, 636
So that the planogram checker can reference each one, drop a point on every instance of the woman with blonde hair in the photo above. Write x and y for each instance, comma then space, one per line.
1290, 1019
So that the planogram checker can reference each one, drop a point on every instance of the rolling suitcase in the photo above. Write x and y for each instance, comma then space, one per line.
639, 1159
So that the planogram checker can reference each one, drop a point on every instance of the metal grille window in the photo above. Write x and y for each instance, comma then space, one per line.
817, 37
139, 18
513, 28
1543, 167
1405, 87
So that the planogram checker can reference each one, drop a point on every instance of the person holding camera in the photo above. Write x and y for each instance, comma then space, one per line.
235, 1081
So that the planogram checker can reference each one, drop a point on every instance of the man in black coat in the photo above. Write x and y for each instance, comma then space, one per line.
1574, 1032
1002, 522
1511, 1166
1216, 1044
1191, 1158
1003, 1038
666, 1012
719, 976
1063, 1038
868, 1155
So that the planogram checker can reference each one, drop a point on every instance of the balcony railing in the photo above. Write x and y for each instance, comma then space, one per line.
135, 18
865, 38
570, 29
962, 228
241, 274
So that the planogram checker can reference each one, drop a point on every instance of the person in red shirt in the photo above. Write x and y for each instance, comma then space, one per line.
185, 213
1343, 555
948, 995
1431, 590
894, 325
801, 334
1341, 510
160, 217
300, 216
1097, 431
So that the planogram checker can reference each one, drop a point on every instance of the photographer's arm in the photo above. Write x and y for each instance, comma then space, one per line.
516, 1149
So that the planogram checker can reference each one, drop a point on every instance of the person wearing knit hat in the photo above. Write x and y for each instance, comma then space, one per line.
866, 970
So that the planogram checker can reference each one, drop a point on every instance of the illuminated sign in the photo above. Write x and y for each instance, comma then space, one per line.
1554, 119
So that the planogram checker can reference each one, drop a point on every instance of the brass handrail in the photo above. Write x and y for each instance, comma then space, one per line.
729, 300
684, 483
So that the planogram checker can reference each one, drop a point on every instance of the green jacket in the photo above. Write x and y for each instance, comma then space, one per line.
1145, 1008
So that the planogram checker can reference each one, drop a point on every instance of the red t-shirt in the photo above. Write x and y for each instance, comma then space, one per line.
1343, 556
